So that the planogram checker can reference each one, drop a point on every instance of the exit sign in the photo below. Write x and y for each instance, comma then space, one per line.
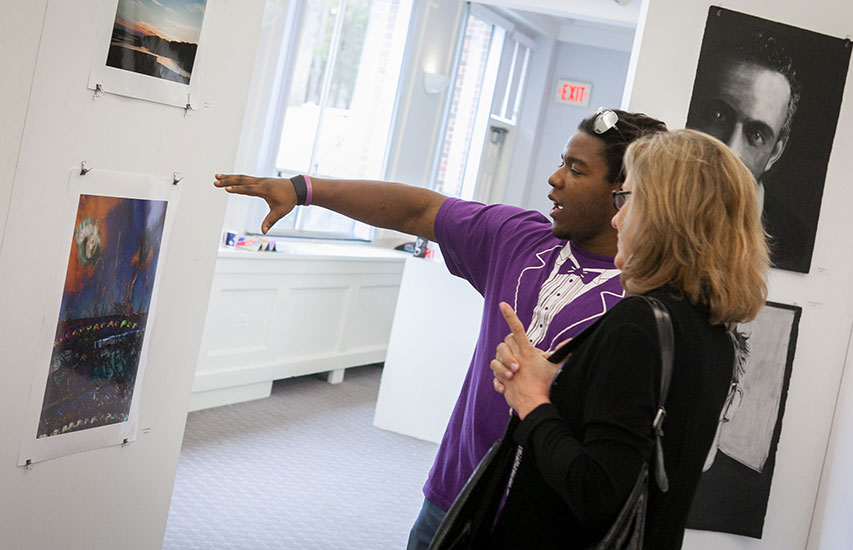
573, 93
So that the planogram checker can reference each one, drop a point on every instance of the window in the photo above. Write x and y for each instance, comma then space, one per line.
511, 78
337, 118
488, 83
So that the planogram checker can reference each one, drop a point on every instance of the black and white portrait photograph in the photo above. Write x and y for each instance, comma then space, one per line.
735, 486
772, 93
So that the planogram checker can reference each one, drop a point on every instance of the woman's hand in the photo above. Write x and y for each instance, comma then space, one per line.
278, 192
522, 372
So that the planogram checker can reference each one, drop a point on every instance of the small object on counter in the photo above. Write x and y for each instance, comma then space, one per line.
229, 238
255, 243
420, 248
406, 247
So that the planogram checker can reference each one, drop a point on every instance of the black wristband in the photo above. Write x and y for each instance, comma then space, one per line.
301, 189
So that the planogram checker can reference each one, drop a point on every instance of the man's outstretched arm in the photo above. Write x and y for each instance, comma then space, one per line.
395, 206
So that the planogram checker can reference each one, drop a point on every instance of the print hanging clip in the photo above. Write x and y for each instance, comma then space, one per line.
85, 168
189, 106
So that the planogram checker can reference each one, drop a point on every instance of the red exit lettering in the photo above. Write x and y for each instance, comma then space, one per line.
575, 93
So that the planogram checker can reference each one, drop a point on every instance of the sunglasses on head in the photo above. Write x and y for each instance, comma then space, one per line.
605, 119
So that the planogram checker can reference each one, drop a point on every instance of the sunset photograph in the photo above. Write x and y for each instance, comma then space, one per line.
157, 38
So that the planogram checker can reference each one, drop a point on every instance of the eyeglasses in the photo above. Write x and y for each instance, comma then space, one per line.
605, 119
620, 197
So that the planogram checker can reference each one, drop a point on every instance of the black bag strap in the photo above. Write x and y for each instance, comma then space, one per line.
667, 349
628, 530
564, 351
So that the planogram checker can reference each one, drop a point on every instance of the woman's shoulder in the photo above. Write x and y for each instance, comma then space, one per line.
636, 310
632, 308
689, 320
631, 316
672, 300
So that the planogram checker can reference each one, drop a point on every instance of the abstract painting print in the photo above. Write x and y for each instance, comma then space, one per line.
106, 298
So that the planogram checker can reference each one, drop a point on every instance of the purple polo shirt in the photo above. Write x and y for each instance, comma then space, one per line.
557, 289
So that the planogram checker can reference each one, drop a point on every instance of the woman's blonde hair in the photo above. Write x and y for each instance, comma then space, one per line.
695, 225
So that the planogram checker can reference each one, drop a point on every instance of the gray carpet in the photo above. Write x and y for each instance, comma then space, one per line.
303, 469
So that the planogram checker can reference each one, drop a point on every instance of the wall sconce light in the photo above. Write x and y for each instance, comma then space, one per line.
435, 83
272, 11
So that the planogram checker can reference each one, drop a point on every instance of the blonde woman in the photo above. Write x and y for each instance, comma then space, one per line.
690, 235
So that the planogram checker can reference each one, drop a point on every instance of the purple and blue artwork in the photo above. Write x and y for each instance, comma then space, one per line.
103, 315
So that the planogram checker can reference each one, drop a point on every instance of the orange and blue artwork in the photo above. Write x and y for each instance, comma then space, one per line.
103, 315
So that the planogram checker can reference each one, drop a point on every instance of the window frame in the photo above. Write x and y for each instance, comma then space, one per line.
270, 144
511, 32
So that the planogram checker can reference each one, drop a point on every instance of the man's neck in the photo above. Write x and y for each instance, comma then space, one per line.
601, 245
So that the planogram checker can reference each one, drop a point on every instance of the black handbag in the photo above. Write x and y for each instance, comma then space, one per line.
468, 523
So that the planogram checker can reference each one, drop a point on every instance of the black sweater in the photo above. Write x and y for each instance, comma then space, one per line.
582, 452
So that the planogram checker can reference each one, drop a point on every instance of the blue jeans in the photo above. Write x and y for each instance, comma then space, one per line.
425, 526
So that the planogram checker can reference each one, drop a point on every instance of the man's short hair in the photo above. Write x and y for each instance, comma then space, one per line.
761, 48
629, 127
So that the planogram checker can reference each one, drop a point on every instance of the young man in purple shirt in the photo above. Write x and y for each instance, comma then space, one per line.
559, 276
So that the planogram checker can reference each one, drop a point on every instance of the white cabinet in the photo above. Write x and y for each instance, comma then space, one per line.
435, 330
311, 307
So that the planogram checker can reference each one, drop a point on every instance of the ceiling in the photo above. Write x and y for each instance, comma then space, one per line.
601, 23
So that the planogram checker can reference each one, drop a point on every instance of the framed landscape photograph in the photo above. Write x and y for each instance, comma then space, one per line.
150, 49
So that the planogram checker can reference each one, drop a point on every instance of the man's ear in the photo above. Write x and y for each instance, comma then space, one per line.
778, 149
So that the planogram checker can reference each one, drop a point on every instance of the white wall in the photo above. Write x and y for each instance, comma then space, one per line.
832, 528
19, 34
665, 64
114, 497
605, 69
261, 122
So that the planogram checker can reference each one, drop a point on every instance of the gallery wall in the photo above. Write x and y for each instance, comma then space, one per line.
113, 497
660, 82
20, 34
269, 80
831, 527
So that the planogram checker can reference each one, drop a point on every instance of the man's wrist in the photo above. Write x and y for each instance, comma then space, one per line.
304, 191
